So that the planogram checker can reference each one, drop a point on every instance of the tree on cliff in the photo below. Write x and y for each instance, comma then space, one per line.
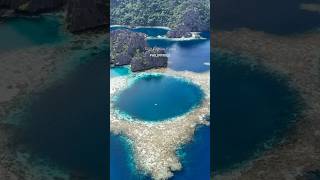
172, 13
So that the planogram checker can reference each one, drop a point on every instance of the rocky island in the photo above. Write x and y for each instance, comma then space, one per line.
130, 48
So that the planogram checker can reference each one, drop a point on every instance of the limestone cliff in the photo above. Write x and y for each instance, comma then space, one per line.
130, 48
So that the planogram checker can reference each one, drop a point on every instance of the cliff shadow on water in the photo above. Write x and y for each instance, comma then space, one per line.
253, 109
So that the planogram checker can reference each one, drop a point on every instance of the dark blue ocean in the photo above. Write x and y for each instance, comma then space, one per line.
192, 55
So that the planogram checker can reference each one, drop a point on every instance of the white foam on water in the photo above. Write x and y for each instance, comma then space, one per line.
195, 36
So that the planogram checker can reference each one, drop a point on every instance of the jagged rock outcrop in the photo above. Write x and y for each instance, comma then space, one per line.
151, 58
81, 14
179, 32
86, 14
124, 45
130, 48
190, 21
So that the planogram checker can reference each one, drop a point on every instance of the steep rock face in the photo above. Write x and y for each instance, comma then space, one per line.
86, 14
191, 20
151, 58
130, 48
124, 45
122, 59
179, 32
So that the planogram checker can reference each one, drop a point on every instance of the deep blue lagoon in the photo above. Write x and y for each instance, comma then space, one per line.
158, 97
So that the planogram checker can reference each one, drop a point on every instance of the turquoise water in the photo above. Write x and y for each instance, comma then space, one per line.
119, 71
25, 32
252, 110
158, 97
118, 28
150, 31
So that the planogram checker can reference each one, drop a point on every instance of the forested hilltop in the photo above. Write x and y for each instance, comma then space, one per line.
191, 14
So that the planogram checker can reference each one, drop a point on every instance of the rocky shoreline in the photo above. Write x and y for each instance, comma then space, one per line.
298, 58
155, 144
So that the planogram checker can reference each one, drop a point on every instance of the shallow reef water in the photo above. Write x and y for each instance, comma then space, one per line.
119, 71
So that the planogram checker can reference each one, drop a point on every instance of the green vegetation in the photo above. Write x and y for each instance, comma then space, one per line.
171, 13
